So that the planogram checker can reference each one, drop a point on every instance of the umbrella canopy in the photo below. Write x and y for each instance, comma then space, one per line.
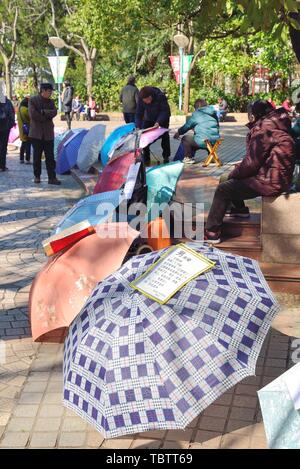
115, 173
67, 157
161, 182
96, 208
136, 139
113, 140
280, 406
61, 288
59, 140
133, 365
88, 153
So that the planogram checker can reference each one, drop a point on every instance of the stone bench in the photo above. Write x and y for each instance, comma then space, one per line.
280, 229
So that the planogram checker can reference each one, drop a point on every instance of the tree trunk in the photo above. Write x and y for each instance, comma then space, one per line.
7, 66
186, 100
89, 71
35, 76
295, 36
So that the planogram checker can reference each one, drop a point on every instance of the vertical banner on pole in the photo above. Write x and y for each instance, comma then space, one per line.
187, 60
58, 71
175, 63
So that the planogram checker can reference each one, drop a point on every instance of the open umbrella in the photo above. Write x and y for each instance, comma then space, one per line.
96, 208
88, 153
161, 182
280, 406
115, 173
68, 152
61, 288
133, 365
113, 140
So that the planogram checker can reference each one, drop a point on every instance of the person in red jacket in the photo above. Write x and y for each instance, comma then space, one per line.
266, 170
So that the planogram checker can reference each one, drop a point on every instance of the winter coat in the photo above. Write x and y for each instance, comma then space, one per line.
129, 98
67, 98
41, 113
23, 118
7, 116
269, 163
204, 122
157, 111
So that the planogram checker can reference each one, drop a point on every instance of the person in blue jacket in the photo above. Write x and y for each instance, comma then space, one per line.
205, 124
153, 110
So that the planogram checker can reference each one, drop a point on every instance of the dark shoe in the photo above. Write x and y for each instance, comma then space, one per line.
55, 182
27, 162
21, 161
166, 160
211, 237
37, 180
3, 169
238, 213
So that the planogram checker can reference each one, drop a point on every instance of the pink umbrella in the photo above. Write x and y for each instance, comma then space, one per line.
62, 287
13, 134
114, 173
150, 135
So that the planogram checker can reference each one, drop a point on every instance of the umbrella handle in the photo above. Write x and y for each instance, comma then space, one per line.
144, 249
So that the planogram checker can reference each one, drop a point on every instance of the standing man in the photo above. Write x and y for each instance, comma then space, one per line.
7, 121
42, 110
153, 110
129, 98
67, 98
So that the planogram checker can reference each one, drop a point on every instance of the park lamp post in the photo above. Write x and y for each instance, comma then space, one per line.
58, 44
181, 42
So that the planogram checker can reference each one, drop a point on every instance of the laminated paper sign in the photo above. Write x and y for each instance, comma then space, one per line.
178, 266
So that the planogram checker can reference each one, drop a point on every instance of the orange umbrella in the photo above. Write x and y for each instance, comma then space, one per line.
62, 287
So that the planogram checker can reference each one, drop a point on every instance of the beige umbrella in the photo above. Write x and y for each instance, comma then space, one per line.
62, 287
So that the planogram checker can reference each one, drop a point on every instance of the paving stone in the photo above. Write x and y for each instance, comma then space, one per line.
23, 410
20, 424
240, 413
245, 401
47, 424
239, 426
156, 434
259, 443
94, 440
175, 445
43, 440
51, 410
117, 443
14, 440
216, 411
236, 441
30, 398
53, 398
71, 440
73, 424
212, 423
145, 444
35, 386
179, 435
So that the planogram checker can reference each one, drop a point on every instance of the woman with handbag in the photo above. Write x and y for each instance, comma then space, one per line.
24, 123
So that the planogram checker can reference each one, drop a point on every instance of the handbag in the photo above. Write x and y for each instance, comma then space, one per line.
25, 128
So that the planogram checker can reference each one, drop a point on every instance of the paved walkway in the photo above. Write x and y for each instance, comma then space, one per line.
31, 410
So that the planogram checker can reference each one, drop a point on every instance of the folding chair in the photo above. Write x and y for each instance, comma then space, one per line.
212, 156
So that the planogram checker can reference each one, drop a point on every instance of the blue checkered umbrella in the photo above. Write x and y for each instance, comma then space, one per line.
133, 365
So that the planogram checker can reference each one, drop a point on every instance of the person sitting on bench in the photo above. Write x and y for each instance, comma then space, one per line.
266, 170
204, 122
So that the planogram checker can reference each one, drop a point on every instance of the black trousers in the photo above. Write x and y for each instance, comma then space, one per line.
129, 117
165, 142
46, 146
190, 146
3, 148
68, 119
233, 191
25, 150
